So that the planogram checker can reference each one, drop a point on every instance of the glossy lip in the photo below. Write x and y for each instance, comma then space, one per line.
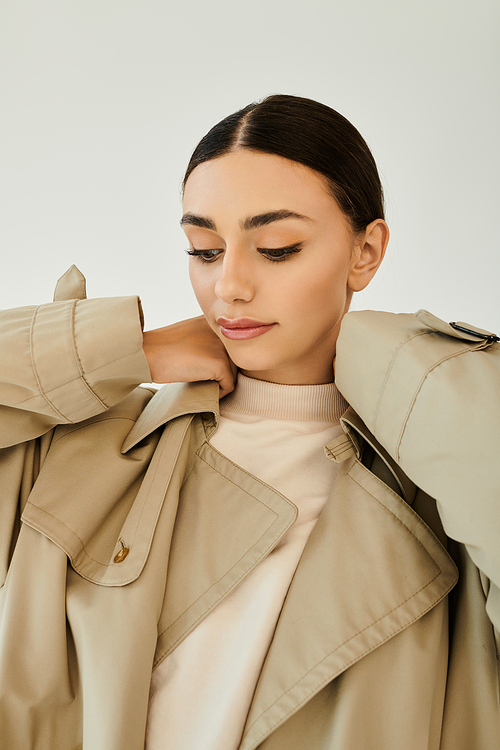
243, 328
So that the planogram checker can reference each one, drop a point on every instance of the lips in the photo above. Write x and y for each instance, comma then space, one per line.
241, 323
239, 329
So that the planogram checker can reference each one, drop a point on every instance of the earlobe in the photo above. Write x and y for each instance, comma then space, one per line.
368, 255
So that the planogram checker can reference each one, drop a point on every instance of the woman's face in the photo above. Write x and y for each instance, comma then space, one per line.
273, 263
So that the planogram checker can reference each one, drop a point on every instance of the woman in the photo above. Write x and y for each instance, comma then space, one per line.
189, 575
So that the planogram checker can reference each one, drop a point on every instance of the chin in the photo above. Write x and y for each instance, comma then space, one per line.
253, 362
255, 366
251, 355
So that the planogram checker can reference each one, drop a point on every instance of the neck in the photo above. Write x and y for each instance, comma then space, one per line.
322, 403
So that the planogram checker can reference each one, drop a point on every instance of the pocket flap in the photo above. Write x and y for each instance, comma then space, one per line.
104, 513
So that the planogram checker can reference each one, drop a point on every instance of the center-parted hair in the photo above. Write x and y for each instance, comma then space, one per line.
312, 134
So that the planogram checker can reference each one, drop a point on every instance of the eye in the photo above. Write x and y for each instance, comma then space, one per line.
278, 254
206, 256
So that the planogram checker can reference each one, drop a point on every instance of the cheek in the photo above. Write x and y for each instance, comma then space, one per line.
318, 295
200, 282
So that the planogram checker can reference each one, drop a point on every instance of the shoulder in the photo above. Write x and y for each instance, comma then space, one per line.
391, 367
374, 342
401, 327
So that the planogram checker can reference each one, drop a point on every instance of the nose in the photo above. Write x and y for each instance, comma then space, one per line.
235, 282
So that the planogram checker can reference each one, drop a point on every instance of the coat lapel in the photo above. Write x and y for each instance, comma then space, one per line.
370, 568
227, 522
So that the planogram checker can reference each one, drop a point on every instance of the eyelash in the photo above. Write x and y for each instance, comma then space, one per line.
287, 252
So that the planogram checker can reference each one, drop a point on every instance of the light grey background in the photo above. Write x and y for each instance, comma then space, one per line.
104, 100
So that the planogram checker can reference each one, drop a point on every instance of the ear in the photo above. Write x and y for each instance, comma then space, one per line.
368, 254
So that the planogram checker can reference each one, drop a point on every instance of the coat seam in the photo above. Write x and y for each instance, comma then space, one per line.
78, 363
77, 357
464, 350
243, 575
439, 572
72, 380
238, 486
79, 426
33, 364
248, 474
201, 617
389, 370
166, 486
106, 566
59, 520
353, 661
389, 510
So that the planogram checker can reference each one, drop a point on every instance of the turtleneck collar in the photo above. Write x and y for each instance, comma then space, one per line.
321, 403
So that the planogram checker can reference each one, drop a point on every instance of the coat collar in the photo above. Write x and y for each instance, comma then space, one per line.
173, 401
179, 399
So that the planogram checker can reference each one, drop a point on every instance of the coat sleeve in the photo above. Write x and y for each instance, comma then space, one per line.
60, 363
430, 395
66, 361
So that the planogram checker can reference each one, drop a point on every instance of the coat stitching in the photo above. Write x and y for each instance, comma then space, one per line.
464, 350
147, 494
247, 474
403, 627
80, 426
358, 463
83, 549
389, 370
243, 575
59, 520
78, 362
201, 617
33, 364
353, 661
77, 357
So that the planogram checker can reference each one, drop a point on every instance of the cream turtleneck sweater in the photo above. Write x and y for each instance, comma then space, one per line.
201, 693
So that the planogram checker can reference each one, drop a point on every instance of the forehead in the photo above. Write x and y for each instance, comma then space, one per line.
248, 181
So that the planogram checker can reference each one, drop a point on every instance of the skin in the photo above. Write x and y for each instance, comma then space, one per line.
239, 273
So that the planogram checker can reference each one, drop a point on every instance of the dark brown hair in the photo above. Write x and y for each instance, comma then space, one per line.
311, 134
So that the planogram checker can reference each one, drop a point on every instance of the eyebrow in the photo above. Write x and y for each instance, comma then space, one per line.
251, 222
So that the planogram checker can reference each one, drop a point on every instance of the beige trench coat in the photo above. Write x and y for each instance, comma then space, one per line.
133, 528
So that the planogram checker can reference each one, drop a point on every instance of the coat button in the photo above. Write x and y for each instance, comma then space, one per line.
122, 554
